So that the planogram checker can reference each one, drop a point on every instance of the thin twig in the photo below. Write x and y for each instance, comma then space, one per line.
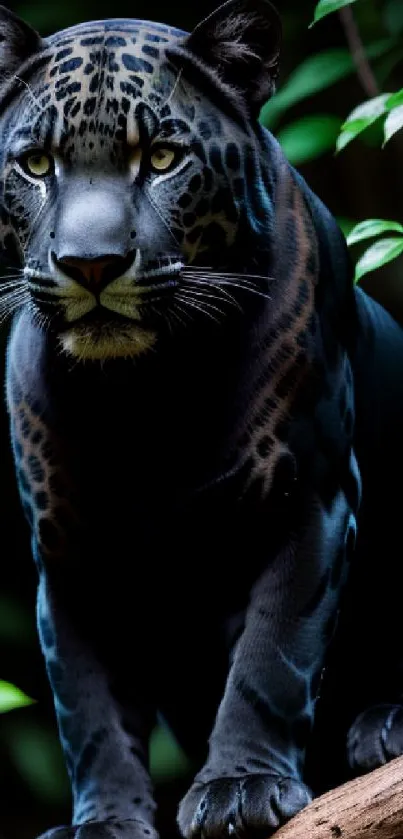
357, 49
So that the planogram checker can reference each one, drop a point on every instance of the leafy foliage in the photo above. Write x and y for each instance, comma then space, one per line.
361, 118
311, 136
378, 255
389, 105
325, 7
372, 227
167, 759
393, 121
12, 697
314, 75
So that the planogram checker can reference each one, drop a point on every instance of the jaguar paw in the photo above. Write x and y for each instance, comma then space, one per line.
375, 737
253, 806
125, 829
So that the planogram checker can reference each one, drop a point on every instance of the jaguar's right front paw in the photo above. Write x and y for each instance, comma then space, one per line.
247, 807
375, 737
125, 829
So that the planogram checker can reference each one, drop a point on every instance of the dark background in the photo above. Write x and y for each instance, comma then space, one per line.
362, 182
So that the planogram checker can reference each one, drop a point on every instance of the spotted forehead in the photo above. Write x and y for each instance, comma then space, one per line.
105, 68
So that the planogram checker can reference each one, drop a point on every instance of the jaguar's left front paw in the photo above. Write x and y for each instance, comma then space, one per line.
375, 737
111, 829
252, 806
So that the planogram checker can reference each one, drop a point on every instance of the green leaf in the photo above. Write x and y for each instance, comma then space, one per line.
393, 123
350, 132
373, 136
37, 756
326, 7
316, 73
372, 227
395, 100
361, 118
309, 137
345, 224
371, 109
12, 697
167, 759
378, 255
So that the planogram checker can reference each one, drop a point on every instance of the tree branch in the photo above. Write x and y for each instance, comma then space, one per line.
370, 807
357, 49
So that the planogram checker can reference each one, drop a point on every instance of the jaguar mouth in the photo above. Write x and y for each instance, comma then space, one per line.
131, 295
145, 301
121, 323
101, 317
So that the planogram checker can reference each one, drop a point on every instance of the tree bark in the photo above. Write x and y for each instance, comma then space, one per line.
369, 807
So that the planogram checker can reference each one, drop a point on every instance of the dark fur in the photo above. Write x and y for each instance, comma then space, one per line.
190, 462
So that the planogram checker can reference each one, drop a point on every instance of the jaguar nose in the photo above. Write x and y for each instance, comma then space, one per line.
94, 274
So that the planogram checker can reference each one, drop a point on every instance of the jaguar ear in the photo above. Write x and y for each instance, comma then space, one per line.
18, 41
241, 42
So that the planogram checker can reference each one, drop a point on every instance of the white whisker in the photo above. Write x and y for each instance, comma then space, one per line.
10, 288
175, 315
223, 292
203, 309
209, 272
34, 99
9, 303
177, 306
11, 293
218, 279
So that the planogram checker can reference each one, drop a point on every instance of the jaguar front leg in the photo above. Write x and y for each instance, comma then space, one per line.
252, 780
105, 741
100, 684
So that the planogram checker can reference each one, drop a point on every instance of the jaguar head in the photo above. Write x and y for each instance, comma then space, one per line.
127, 162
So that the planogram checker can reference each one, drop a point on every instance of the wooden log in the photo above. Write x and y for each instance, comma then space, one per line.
369, 807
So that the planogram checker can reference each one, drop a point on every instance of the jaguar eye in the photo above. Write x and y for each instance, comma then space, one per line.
162, 157
37, 164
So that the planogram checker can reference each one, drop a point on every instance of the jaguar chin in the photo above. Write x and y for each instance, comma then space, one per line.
107, 339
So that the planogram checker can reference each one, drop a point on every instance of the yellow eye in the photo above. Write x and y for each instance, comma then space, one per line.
38, 164
162, 158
